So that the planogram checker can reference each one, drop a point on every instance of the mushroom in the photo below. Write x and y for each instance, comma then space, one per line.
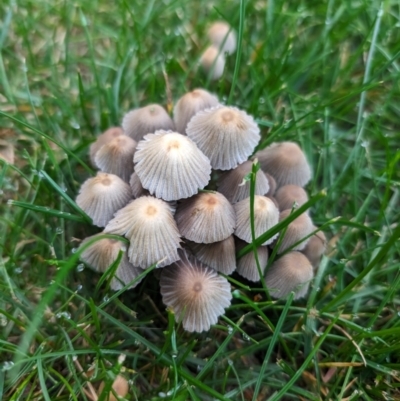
120, 387
288, 195
272, 184
213, 62
136, 186
315, 248
102, 139
222, 36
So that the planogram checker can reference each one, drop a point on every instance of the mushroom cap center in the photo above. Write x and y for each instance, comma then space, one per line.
151, 210
197, 287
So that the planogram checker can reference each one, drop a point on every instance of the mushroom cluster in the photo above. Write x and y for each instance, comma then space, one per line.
155, 187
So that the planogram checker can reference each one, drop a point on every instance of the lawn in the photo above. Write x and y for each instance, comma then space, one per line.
324, 74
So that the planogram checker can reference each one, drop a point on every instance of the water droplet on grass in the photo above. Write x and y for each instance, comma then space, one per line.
80, 267
7, 365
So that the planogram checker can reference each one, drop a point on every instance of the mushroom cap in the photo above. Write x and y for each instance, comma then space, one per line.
223, 36
290, 194
102, 139
103, 253
247, 265
315, 248
205, 218
116, 157
286, 162
196, 293
146, 120
170, 166
291, 272
266, 215
120, 387
101, 196
226, 135
149, 225
272, 184
232, 184
218, 255
136, 186
189, 105
213, 62
299, 228
6, 151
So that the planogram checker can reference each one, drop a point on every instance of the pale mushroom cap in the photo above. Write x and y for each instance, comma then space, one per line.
272, 184
218, 255
223, 36
101, 196
120, 387
196, 294
291, 272
286, 162
205, 218
136, 186
232, 184
266, 215
170, 166
116, 157
149, 225
315, 248
247, 265
189, 105
298, 229
102, 139
213, 62
288, 195
226, 135
146, 120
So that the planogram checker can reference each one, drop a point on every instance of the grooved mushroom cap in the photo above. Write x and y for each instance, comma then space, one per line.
136, 186
218, 255
205, 218
101, 196
146, 120
116, 157
170, 166
103, 253
223, 36
272, 184
226, 135
266, 215
315, 248
298, 229
287, 195
149, 225
232, 184
189, 105
291, 272
196, 293
102, 139
247, 265
286, 162
213, 62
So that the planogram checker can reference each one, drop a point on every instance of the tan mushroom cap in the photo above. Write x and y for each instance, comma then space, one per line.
266, 215
196, 293
149, 225
218, 255
116, 157
232, 184
102, 139
170, 166
205, 218
120, 386
298, 229
315, 248
146, 120
291, 272
189, 105
213, 62
101, 196
286, 162
272, 184
288, 195
226, 135
223, 36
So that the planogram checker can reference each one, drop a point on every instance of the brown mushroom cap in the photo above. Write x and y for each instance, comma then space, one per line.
171, 166
222, 36
226, 135
101, 196
288, 195
205, 218
196, 293
315, 248
291, 272
286, 162
213, 62
102, 139
146, 120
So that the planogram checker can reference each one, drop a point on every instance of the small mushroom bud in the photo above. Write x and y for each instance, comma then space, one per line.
213, 62
222, 36
120, 387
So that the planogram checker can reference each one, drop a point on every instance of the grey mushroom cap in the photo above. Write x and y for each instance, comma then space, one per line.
286, 162
315, 248
189, 105
136, 186
290, 195
170, 165
103, 139
205, 218
196, 293
226, 135
291, 272
232, 184
213, 62
101, 196
150, 227
146, 120
222, 35
272, 184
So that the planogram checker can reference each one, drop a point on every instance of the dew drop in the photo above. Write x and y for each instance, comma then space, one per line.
3, 321
80, 267
7, 365
63, 315
74, 250
230, 329
59, 230
18, 270
106, 298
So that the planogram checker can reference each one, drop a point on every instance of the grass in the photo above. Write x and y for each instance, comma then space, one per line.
324, 74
